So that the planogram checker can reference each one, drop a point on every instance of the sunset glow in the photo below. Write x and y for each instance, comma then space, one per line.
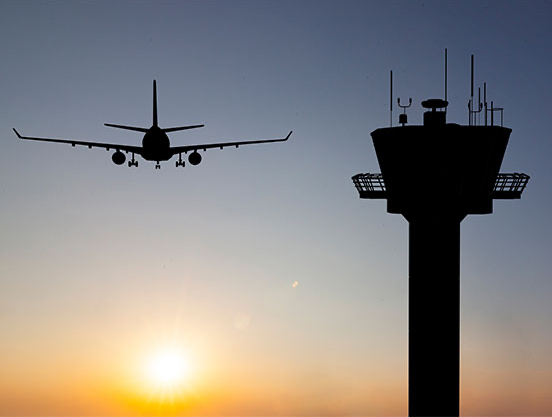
141, 292
168, 368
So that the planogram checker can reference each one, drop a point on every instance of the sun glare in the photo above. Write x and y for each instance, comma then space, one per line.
163, 380
168, 368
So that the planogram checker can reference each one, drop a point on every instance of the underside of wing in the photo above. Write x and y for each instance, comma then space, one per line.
180, 149
108, 146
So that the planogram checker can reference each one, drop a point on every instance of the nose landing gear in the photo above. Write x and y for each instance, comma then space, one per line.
158, 165
180, 162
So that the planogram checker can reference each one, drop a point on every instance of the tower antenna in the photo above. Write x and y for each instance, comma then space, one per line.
471, 112
391, 100
471, 95
485, 100
445, 74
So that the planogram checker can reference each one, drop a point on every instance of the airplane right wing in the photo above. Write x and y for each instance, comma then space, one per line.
108, 146
180, 149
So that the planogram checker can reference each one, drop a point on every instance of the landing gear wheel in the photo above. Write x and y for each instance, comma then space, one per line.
133, 162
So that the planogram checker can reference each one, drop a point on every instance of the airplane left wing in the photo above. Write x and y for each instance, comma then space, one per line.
180, 149
108, 146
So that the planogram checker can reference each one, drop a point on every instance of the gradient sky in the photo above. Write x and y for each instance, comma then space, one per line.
101, 264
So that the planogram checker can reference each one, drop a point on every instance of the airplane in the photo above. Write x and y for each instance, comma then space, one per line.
156, 145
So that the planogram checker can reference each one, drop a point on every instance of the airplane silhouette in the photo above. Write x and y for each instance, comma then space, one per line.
155, 144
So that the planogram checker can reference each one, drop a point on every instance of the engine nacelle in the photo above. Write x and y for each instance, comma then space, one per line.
118, 158
194, 158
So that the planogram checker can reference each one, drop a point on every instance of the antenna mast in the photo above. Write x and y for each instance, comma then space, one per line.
485, 100
471, 112
445, 75
471, 95
471, 77
391, 101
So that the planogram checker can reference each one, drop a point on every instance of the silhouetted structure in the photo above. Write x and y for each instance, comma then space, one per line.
156, 145
435, 175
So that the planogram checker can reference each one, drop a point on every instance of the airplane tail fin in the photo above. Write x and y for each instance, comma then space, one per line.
155, 121
155, 103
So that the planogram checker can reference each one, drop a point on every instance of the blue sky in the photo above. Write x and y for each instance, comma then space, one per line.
97, 259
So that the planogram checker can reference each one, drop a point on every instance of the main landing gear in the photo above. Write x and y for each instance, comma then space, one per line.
180, 162
158, 165
133, 163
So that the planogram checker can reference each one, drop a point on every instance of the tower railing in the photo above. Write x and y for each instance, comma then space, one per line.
510, 185
370, 185
507, 185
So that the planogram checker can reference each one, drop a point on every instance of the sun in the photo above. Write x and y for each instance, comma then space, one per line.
168, 368
163, 378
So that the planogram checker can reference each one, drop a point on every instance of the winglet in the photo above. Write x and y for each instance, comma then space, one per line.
17, 133
289, 134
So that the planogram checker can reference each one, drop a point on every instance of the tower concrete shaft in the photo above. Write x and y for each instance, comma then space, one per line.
434, 315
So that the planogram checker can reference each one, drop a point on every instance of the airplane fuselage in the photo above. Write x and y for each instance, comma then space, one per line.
156, 145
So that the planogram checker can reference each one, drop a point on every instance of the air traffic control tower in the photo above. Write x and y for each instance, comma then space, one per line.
435, 175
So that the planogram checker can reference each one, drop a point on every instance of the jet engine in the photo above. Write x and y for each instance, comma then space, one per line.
194, 158
118, 158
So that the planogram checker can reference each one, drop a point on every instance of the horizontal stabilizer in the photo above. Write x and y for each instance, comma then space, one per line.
174, 129
136, 129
